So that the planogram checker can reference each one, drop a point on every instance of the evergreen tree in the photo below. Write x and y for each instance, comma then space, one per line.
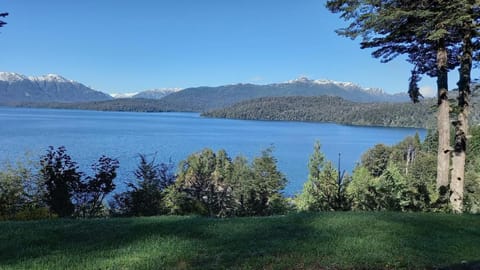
428, 32
146, 195
268, 184
325, 188
362, 190
243, 185
376, 159
203, 184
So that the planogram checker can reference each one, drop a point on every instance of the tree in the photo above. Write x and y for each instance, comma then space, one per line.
61, 179
268, 183
93, 190
325, 188
309, 199
467, 24
243, 186
3, 15
146, 195
376, 159
429, 33
362, 190
13, 196
203, 184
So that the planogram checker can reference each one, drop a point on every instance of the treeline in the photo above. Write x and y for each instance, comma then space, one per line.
396, 178
333, 109
206, 183
119, 105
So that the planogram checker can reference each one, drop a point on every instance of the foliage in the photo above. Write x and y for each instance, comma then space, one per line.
362, 190
20, 195
3, 14
212, 184
325, 188
92, 191
145, 197
330, 109
61, 179
268, 182
472, 175
67, 192
202, 180
376, 159
400, 178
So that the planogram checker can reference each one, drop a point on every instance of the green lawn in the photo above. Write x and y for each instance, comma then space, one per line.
297, 241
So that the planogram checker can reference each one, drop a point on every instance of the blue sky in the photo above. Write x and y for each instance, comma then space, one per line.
121, 46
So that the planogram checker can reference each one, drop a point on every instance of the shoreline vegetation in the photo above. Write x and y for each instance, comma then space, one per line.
214, 211
321, 109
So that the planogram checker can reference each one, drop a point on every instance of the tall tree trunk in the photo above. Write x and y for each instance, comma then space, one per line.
457, 182
443, 122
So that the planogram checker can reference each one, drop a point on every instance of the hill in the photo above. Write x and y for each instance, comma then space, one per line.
332, 240
338, 110
330, 109
208, 98
16, 88
118, 105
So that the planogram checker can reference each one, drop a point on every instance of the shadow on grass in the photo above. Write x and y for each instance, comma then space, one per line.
300, 241
209, 243
435, 240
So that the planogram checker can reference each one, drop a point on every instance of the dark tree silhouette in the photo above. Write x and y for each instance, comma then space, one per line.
4, 14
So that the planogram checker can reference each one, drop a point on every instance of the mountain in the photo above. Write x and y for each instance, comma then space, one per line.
156, 93
209, 98
17, 88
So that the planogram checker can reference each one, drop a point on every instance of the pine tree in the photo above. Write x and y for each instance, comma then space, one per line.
431, 34
325, 188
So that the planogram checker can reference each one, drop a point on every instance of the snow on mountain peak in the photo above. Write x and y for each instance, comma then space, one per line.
301, 79
50, 78
164, 90
304, 79
123, 95
11, 77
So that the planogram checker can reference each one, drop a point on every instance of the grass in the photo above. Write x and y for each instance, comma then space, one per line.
382, 240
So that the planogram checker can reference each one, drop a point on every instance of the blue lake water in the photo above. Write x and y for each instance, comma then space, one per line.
89, 134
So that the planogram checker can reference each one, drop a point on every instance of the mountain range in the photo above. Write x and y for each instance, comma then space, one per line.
210, 98
17, 88
51, 88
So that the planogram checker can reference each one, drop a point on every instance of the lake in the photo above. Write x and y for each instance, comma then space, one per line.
123, 135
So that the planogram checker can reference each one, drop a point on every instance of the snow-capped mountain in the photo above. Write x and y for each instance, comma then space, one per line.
209, 98
156, 93
123, 95
359, 93
16, 88
306, 80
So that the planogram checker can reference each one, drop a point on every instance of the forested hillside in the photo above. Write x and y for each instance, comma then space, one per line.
121, 105
210, 98
331, 109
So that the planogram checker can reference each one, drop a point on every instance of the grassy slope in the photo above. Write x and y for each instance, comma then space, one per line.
303, 241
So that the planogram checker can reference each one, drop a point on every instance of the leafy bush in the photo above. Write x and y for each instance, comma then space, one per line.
19, 191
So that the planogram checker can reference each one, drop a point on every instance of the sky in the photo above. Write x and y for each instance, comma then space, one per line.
120, 46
